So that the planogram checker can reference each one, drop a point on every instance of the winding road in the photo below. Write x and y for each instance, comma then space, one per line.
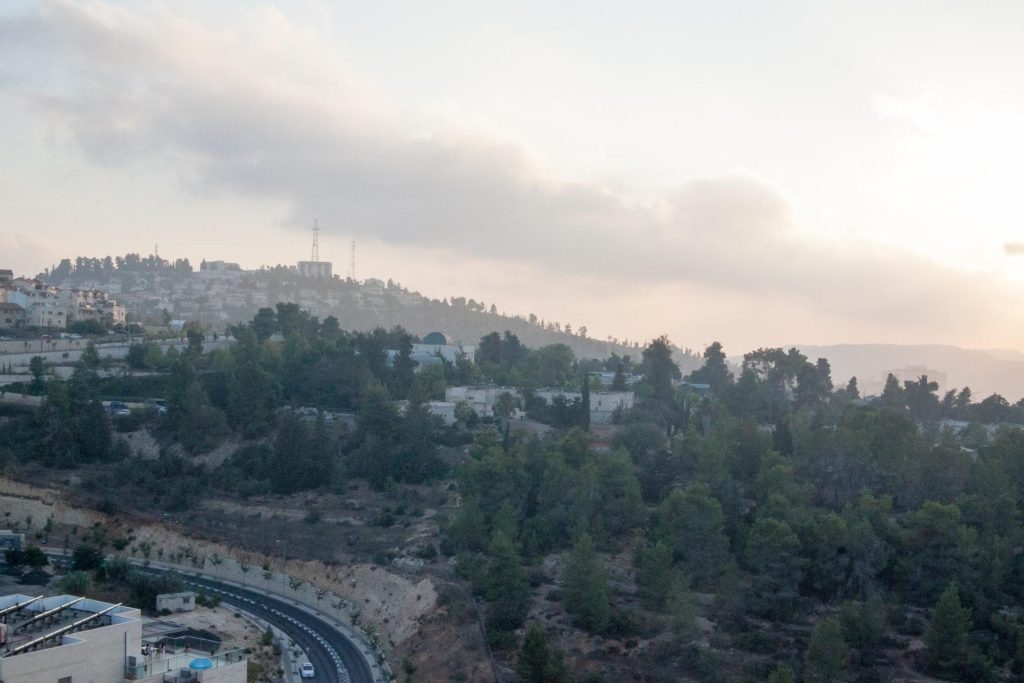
336, 658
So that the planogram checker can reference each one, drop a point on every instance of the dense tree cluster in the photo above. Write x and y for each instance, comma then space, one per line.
788, 498
781, 494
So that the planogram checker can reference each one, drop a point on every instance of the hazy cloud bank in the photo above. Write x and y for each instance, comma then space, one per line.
268, 109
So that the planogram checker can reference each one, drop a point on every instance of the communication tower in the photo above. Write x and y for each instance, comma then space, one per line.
316, 241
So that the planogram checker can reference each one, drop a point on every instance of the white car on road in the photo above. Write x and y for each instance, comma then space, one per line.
307, 670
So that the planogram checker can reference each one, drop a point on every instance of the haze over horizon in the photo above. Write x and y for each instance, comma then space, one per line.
750, 174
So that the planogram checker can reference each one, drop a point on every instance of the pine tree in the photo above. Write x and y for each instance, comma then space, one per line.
946, 638
773, 552
827, 654
851, 389
585, 589
537, 662
505, 585
691, 522
655, 575
783, 673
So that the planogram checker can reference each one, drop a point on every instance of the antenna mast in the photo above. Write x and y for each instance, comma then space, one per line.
352, 266
316, 241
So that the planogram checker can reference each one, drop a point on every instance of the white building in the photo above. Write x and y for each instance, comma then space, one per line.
91, 304
176, 602
41, 308
437, 345
315, 269
481, 399
67, 639
603, 404
444, 410
11, 315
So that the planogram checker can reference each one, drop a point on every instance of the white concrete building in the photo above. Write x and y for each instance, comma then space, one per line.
437, 346
68, 639
11, 315
315, 269
444, 410
603, 404
65, 639
176, 602
481, 399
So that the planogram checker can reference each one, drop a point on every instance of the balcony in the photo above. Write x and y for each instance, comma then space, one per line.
182, 660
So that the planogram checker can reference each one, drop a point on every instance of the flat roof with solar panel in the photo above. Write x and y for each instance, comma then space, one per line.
30, 623
60, 636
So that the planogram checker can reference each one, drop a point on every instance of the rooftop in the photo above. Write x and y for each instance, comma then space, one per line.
30, 623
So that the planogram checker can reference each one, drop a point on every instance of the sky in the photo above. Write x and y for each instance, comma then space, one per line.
749, 172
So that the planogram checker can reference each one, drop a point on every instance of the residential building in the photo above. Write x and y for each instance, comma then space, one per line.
315, 269
607, 378
40, 305
444, 410
6, 275
603, 404
437, 346
218, 267
66, 639
481, 399
11, 315
69, 639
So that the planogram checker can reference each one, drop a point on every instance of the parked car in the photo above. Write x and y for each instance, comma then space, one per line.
307, 670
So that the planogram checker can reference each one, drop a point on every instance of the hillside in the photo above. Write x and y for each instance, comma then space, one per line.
218, 298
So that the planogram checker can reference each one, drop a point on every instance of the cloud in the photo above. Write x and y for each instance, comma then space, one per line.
1013, 248
270, 109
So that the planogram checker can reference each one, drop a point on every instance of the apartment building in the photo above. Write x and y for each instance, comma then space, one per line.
69, 639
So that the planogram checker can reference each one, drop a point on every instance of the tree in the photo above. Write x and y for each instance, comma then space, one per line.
86, 557
264, 323
827, 654
773, 553
715, 371
690, 522
198, 424
37, 366
655, 575
505, 585
683, 607
35, 557
852, 390
946, 639
864, 626
619, 379
892, 394
783, 673
584, 587
537, 662
921, 399
659, 369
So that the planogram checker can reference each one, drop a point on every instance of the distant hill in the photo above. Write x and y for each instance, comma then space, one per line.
217, 297
984, 371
